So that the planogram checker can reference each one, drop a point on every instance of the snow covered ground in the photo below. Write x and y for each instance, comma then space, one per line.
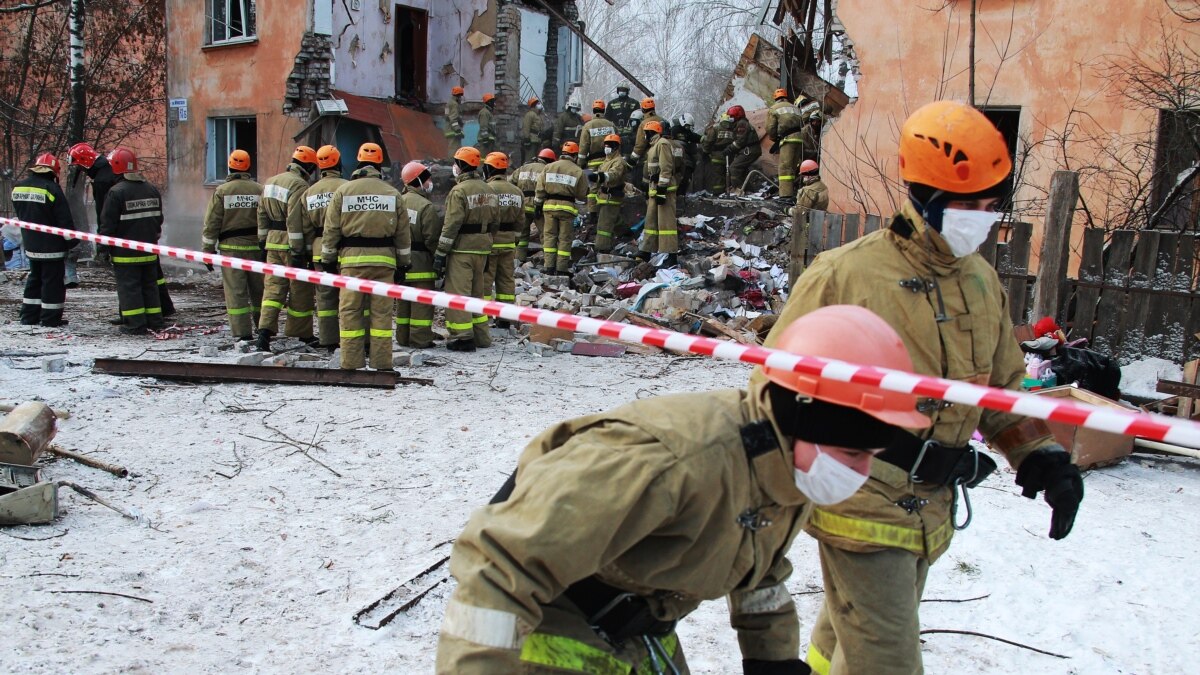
262, 570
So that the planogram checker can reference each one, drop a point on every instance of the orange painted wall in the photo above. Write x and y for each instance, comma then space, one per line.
242, 80
910, 55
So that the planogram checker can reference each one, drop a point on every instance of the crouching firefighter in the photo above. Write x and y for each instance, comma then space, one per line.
616, 525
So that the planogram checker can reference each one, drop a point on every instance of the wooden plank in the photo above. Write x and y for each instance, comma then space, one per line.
1176, 388
1190, 256
1091, 271
1188, 404
988, 250
850, 228
1158, 339
799, 247
1056, 243
713, 328
872, 224
833, 231
544, 334
1018, 264
1132, 335
1112, 303
594, 349
816, 235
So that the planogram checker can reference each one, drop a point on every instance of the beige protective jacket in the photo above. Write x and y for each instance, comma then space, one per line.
470, 217
233, 209
316, 200
591, 141
975, 344
281, 210
370, 208
815, 195
649, 497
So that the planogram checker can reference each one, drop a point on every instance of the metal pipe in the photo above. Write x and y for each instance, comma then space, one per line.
1166, 447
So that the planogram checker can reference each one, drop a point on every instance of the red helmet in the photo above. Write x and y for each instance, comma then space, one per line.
737, 112
47, 160
547, 154
122, 161
808, 166
412, 171
83, 154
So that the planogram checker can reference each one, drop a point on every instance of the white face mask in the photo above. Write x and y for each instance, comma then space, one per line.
538, 106
455, 171
965, 230
428, 186
827, 480
607, 151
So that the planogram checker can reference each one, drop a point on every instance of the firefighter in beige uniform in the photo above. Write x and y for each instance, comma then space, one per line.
922, 275
526, 179
531, 129
660, 234
785, 128
366, 236
617, 525
498, 281
610, 193
231, 228
561, 191
281, 231
454, 123
464, 247
414, 320
316, 199
813, 195
640, 144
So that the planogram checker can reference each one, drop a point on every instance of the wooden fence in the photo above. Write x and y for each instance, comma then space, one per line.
1137, 293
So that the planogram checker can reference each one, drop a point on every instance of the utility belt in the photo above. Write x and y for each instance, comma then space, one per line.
508, 227
471, 228
367, 242
239, 232
418, 247
276, 225
318, 232
614, 614
529, 194
932, 463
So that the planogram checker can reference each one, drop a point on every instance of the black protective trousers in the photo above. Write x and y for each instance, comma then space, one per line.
45, 293
137, 295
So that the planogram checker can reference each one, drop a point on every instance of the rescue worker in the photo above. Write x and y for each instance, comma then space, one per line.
315, 201
660, 234
684, 132
591, 138
414, 321
617, 525
487, 123
717, 138
640, 144
526, 179
133, 210
807, 106
231, 229
366, 236
40, 199
463, 249
454, 122
610, 194
618, 110
531, 129
784, 128
281, 233
922, 275
567, 126
498, 281
743, 152
813, 195
103, 179
561, 191
812, 136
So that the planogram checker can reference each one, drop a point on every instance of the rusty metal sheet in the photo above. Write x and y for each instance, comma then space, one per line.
407, 134
229, 372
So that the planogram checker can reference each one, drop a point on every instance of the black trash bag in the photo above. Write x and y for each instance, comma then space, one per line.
1091, 370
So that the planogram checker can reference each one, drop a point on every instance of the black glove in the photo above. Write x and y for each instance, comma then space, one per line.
262, 245
537, 209
72, 243
592, 176
660, 197
1050, 469
774, 148
103, 255
439, 264
593, 218
789, 667
209, 267
398, 275
730, 151
329, 267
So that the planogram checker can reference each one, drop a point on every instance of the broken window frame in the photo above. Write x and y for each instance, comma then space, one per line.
220, 140
221, 30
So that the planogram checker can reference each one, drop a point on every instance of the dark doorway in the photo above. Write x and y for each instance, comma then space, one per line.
1008, 120
412, 43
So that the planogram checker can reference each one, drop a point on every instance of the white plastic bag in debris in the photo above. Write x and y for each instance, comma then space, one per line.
12, 236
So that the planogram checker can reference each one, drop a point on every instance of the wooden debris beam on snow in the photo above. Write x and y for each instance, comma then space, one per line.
228, 372
381, 612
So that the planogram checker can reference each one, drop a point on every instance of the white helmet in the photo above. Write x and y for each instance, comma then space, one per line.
637, 115
573, 105
686, 121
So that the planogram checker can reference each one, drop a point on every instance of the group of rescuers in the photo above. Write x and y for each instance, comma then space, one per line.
616, 525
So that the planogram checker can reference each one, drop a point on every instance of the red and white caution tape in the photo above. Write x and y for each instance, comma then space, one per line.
1146, 425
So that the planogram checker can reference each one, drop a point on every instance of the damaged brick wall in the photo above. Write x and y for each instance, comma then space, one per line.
509, 105
310, 78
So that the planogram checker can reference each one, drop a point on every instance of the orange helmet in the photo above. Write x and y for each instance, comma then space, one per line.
737, 112
808, 166
952, 147
305, 155
469, 155
612, 138
49, 161
239, 160
780, 93
647, 104
570, 148
533, 100
598, 106
856, 335
412, 172
371, 153
653, 125
487, 98
122, 160
497, 160
83, 154
457, 91
328, 156
547, 154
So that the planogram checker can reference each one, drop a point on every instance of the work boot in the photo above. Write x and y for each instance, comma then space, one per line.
548, 271
502, 324
461, 345
132, 330
263, 344
56, 324
116, 321
671, 260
